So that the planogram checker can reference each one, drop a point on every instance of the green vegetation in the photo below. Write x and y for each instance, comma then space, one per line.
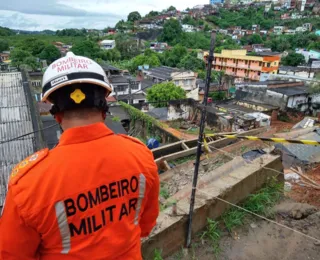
259, 203
221, 95
293, 59
183, 159
164, 193
134, 16
213, 235
136, 114
160, 93
116, 119
72, 32
157, 255
4, 45
5, 31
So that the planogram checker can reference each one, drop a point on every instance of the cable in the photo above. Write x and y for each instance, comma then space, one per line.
18, 137
262, 217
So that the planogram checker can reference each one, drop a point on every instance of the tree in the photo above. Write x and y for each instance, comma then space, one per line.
255, 39
171, 8
293, 59
152, 14
32, 45
164, 92
50, 53
18, 57
109, 55
150, 59
173, 57
128, 47
86, 48
134, 16
172, 30
31, 62
6, 31
4, 45
190, 62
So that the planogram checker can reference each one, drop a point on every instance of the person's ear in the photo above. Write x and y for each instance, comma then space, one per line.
58, 118
104, 115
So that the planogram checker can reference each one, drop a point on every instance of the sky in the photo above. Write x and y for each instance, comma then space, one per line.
93, 14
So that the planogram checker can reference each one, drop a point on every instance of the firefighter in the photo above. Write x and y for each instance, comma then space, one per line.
91, 197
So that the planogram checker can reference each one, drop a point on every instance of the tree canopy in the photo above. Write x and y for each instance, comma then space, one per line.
32, 45
191, 62
4, 31
18, 57
50, 53
134, 16
172, 30
72, 32
31, 62
164, 92
293, 59
4, 45
86, 48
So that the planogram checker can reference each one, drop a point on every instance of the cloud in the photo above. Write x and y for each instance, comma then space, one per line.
59, 14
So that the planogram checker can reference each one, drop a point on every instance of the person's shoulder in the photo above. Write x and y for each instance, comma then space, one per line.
22, 168
132, 139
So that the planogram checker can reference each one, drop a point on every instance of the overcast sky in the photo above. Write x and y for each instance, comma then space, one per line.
59, 14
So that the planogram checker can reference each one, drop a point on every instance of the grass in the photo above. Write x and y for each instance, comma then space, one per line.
195, 131
183, 159
157, 255
213, 235
164, 192
259, 203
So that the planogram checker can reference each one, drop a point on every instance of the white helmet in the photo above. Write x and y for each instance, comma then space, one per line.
73, 69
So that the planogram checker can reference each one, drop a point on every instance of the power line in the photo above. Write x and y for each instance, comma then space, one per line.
18, 137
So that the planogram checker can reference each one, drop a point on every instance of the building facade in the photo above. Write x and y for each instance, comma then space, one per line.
108, 44
238, 64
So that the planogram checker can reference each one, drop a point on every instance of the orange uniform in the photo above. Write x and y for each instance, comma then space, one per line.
91, 197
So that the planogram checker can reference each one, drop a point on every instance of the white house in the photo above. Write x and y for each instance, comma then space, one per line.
188, 28
108, 44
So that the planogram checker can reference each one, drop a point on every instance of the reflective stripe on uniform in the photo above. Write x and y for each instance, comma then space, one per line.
63, 227
142, 188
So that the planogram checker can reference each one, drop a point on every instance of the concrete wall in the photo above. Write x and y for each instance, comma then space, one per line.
235, 185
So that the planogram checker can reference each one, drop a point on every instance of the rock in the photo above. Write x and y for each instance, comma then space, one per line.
295, 210
253, 225
287, 186
292, 177
317, 243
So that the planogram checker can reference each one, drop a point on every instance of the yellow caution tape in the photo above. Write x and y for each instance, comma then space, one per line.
255, 138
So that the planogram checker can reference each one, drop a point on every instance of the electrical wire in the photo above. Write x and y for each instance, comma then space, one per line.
18, 137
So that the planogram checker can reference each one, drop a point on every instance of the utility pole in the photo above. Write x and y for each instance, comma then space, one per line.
130, 96
200, 139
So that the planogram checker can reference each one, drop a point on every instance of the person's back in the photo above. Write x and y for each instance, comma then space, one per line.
91, 197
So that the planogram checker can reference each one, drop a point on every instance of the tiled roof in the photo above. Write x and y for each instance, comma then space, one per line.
15, 120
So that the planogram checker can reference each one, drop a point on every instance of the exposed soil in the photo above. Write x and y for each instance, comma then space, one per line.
261, 240
305, 194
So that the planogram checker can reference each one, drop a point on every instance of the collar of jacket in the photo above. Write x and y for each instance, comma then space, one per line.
84, 134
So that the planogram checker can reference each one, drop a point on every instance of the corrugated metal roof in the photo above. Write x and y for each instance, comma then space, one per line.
15, 120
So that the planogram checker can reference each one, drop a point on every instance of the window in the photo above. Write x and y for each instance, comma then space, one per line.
135, 86
275, 63
121, 88
246, 62
259, 73
188, 82
268, 65
260, 63
176, 82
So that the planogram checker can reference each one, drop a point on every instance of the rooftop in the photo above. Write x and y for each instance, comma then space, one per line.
15, 120
291, 91
162, 72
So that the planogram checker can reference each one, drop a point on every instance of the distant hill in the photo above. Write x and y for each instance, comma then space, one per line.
45, 32
4, 31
